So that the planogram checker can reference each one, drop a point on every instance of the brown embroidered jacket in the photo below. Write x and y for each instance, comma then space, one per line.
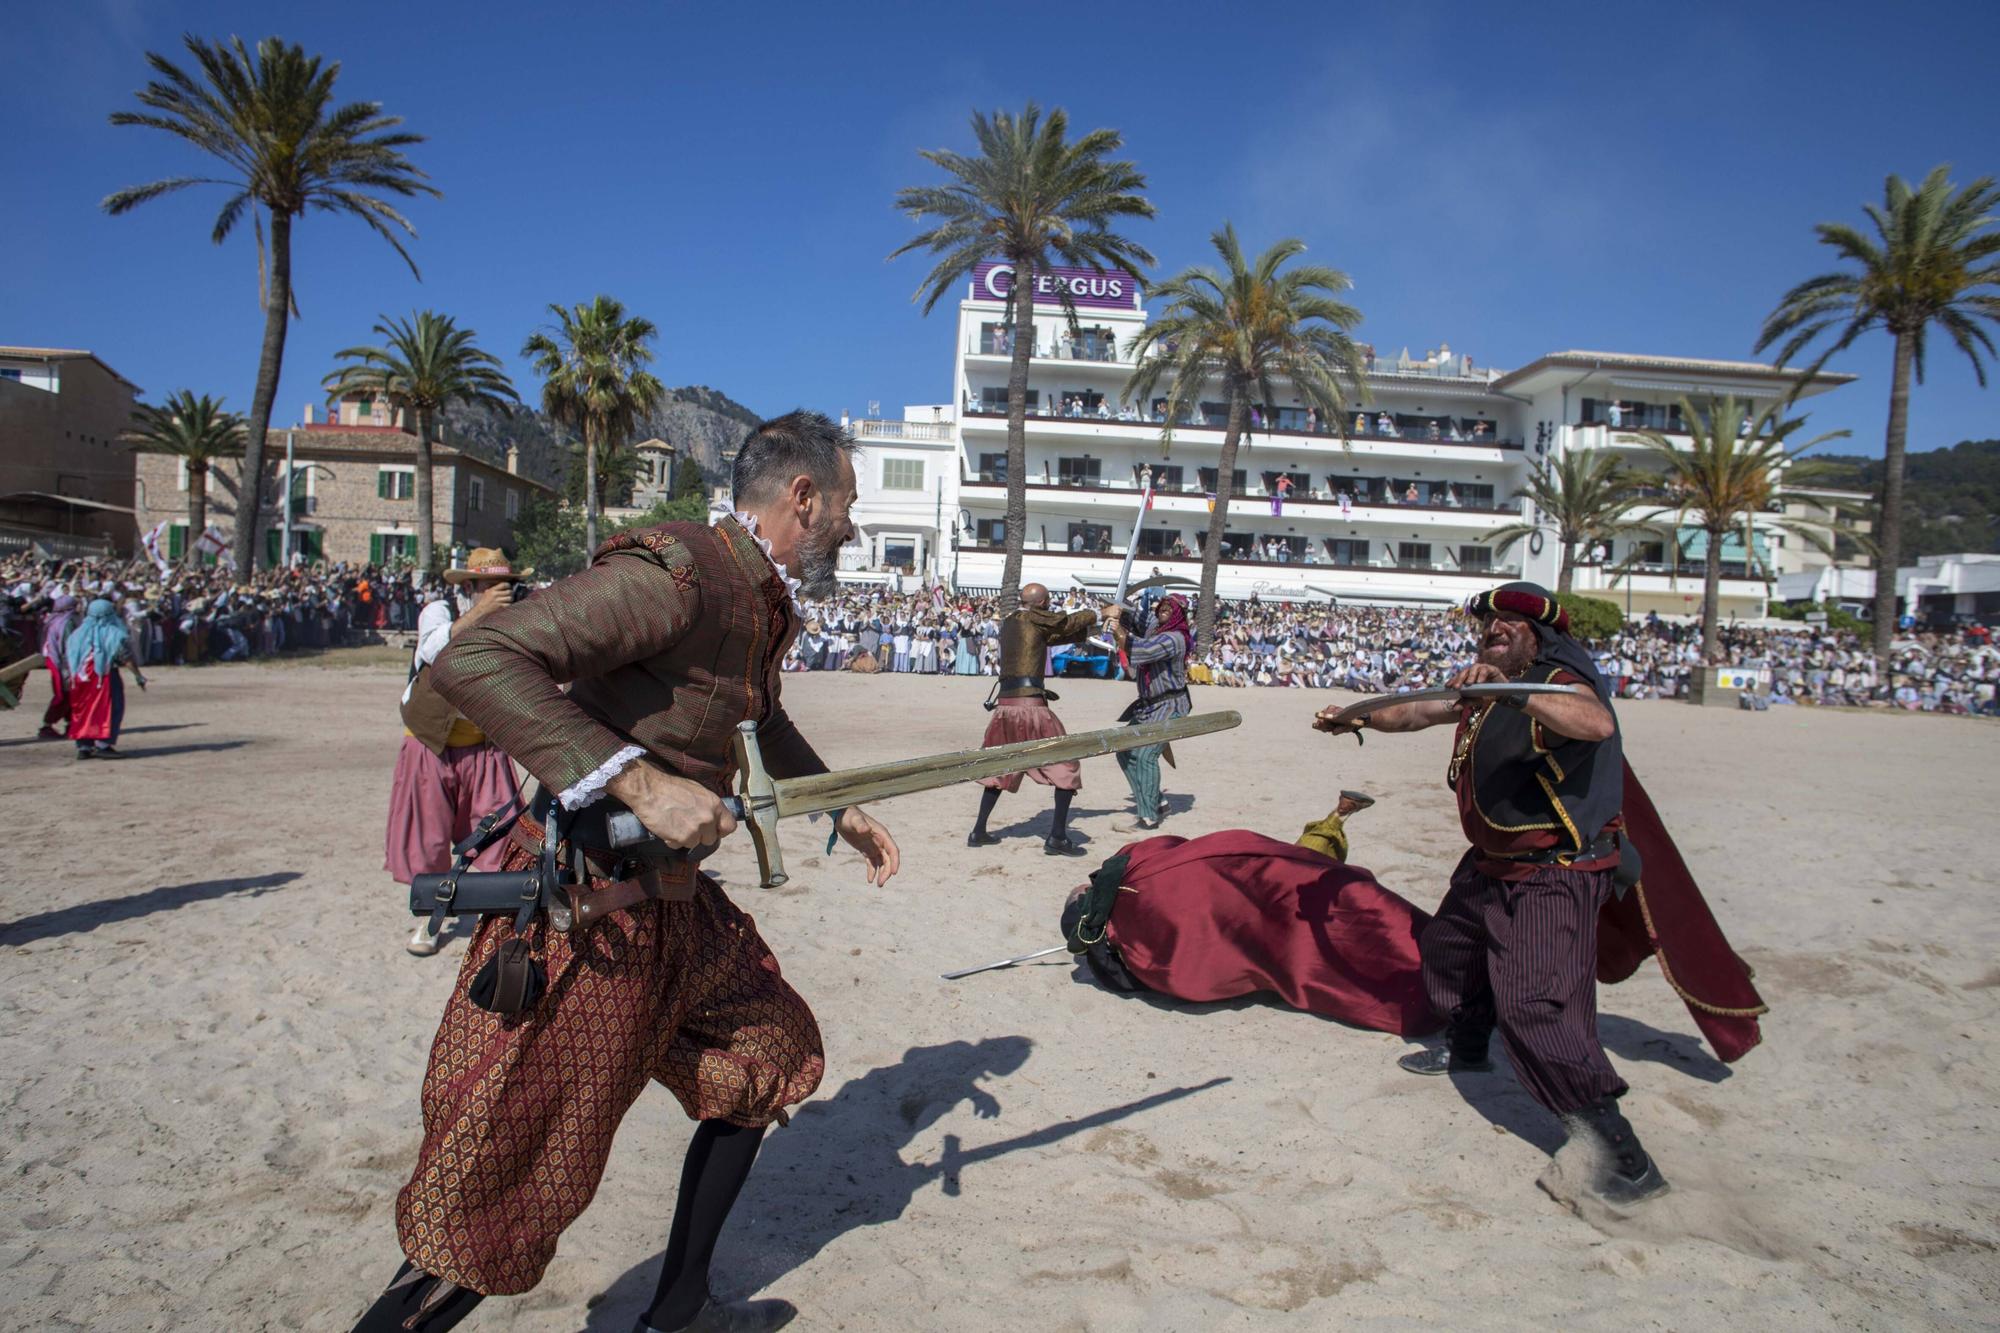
670, 638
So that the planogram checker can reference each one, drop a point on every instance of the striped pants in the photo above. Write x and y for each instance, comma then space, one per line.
1142, 771
1523, 954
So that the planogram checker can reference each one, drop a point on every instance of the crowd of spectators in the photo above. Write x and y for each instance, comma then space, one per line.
188, 615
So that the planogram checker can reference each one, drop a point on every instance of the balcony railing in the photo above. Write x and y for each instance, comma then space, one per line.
1193, 560
1087, 349
1371, 430
870, 428
1193, 491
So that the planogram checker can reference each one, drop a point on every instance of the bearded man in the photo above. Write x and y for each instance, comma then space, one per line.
1540, 781
672, 637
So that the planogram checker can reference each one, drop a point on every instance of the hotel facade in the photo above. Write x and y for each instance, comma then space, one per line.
1401, 512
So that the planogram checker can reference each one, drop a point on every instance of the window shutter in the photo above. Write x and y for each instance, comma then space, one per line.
272, 538
375, 547
381, 484
177, 536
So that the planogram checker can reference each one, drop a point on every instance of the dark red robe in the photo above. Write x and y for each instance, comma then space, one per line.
1235, 912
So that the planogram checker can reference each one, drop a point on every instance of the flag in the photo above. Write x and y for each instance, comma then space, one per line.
211, 541
151, 541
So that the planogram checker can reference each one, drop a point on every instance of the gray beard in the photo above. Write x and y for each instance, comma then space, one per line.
816, 571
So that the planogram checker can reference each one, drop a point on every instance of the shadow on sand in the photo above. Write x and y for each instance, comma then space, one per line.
840, 1166
84, 917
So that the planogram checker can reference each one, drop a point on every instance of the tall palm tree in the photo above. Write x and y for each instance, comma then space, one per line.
593, 381
1730, 472
198, 432
1248, 326
425, 364
1584, 494
285, 147
1932, 261
1032, 197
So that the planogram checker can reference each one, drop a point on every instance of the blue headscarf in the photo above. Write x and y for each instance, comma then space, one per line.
101, 636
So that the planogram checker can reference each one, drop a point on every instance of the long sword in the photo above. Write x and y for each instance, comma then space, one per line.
1004, 962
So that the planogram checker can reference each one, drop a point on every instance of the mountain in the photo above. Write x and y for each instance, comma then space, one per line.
1951, 497
699, 421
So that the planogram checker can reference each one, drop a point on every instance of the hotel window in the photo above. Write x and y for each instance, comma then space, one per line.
995, 339
1094, 537
1650, 553
181, 474
1166, 476
992, 467
993, 398
513, 503
1209, 474
1080, 471
1413, 555
1347, 551
475, 494
395, 483
1475, 557
1155, 541
902, 474
991, 532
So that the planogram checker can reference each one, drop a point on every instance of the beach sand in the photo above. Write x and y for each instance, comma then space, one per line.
214, 1041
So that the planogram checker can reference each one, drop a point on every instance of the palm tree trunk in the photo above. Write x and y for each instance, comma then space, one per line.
197, 500
589, 492
1566, 574
1022, 297
1889, 519
423, 491
1218, 519
277, 310
1711, 594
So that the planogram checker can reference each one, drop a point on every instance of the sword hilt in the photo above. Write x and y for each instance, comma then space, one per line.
756, 806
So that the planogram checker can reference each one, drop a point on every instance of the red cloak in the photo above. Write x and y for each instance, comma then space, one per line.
1235, 912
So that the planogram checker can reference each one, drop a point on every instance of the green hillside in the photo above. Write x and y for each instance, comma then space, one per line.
1951, 497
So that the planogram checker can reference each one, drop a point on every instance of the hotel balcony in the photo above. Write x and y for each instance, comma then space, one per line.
1093, 499
1382, 579
1375, 443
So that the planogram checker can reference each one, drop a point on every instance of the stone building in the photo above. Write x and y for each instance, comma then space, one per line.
353, 494
65, 476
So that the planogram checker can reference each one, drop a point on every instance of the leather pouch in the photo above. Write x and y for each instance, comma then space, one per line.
463, 892
511, 982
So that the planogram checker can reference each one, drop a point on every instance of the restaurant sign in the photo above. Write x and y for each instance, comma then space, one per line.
1088, 289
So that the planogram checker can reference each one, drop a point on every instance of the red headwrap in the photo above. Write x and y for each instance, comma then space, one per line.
1528, 599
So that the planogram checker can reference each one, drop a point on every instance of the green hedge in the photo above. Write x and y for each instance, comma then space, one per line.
1591, 617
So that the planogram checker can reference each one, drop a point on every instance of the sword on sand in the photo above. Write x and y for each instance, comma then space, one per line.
761, 800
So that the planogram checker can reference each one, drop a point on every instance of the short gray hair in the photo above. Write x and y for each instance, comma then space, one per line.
775, 451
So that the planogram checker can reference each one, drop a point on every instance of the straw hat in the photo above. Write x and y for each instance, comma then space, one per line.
486, 562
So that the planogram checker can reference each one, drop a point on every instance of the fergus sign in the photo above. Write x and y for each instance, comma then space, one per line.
1088, 289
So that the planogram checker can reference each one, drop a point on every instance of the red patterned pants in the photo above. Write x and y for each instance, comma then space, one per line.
519, 1111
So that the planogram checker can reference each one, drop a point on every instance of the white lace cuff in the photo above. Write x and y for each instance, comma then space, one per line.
591, 785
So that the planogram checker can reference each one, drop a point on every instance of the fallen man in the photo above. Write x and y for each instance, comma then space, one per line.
1235, 913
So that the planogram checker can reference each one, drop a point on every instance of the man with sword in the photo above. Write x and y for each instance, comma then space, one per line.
1538, 768
670, 644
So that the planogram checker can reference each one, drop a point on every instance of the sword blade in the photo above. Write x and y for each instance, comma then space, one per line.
1490, 691
1132, 545
851, 786
1005, 962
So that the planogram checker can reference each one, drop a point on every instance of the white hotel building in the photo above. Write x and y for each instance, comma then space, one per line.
1434, 461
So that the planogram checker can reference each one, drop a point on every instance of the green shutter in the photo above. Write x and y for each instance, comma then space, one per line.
382, 485
375, 547
177, 539
272, 538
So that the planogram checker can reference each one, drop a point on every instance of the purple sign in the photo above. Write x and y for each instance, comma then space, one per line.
1088, 289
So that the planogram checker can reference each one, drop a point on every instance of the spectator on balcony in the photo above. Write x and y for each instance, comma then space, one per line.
1279, 494
1076, 543
1360, 423
1410, 495
1159, 409
1435, 433
1384, 426
1104, 409
1066, 346
1615, 414
1346, 504
1478, 430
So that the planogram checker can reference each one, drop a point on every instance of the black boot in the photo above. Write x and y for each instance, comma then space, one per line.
1463, 1052
417, 1301
979, 837
1058, 842
1624, 1174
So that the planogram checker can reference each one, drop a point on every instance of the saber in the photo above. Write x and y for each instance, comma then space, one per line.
1005, 962
1503, 690
761, 800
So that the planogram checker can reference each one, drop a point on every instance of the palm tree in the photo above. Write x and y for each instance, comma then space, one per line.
198, 432
1931, 262
1248, 326
1584, 495
1033, 198
1730, 471
425, 364
617, 472
593, 382
286, 147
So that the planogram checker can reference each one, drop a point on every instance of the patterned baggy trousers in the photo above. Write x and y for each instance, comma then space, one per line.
519, 1111
1142, 771
1523, 953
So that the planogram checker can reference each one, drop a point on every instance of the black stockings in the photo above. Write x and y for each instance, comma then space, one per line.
718, 1162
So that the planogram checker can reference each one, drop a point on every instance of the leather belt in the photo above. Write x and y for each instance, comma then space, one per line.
1021, 682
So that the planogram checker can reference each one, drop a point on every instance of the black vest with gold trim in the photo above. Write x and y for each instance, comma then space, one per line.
1530, 788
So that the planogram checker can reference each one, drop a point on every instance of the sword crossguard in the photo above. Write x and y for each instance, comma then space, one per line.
758, 796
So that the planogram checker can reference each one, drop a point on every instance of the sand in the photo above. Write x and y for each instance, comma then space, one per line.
214, 1040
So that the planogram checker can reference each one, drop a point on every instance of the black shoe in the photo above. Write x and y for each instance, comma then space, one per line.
1440, 1060
1362, 800
1061, 847
1136, 826
731, 1317
1625, 1174
84, 752
107, 752
978, 839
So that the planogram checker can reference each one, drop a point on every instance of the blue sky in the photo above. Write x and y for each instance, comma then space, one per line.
1517, 180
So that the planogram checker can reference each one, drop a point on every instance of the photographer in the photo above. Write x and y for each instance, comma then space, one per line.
448, 776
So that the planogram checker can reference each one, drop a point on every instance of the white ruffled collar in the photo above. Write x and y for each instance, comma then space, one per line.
749, 522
